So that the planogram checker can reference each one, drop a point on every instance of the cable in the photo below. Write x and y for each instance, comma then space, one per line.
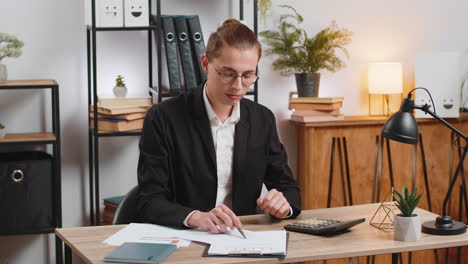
430, 96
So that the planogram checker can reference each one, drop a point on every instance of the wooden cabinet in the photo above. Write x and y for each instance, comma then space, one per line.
314, 148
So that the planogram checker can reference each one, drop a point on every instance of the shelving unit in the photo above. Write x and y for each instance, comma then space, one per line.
52, 138
94, 134
158, 91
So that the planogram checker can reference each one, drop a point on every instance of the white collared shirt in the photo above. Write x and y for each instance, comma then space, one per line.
223, 139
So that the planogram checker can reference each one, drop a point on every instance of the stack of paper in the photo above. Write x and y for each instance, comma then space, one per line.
271, 243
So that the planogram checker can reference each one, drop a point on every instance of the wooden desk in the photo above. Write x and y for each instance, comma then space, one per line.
364, 240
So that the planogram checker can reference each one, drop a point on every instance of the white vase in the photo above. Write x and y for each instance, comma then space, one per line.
2, 133
407, 228
3, 73
120, 91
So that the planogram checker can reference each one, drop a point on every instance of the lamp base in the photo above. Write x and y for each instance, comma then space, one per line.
444, 226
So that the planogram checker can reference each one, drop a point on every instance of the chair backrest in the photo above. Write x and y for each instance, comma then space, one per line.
127, 211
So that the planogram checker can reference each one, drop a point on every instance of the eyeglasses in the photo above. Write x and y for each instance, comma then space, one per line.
229, 76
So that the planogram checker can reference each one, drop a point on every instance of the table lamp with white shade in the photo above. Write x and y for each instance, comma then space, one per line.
385, 78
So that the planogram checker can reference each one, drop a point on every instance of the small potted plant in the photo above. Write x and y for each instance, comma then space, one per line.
10, 46
120, 89
2, 131
407, 224
303, 55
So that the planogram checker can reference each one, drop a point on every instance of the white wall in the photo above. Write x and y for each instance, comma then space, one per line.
55, 39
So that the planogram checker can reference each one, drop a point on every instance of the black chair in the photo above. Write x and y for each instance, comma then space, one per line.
126, 212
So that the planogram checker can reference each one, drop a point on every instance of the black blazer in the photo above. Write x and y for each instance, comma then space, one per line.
177, 164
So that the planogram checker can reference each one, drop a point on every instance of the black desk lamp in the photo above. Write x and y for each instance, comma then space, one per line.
402, 127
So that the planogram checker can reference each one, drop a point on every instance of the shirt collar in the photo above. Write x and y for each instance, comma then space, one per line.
235, 115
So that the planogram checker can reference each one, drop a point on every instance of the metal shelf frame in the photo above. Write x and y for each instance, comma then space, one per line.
56, 152
93, 134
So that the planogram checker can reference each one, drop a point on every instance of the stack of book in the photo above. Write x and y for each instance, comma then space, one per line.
110, 206
121, 114
310, 109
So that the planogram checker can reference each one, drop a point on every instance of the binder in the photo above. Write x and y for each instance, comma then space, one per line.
170, 42
198, 45
185, 52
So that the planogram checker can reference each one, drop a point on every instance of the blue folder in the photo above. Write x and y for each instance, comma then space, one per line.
140, 253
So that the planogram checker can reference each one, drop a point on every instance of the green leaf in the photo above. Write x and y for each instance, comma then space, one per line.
407, 202
299, 53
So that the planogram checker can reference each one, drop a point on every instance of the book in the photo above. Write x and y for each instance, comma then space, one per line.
317, 100
126, 116
315, 106
140, 253
127, 101
119, 125
301, 118
313, 112
116, 110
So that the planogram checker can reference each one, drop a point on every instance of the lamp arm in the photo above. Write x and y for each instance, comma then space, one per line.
425, 108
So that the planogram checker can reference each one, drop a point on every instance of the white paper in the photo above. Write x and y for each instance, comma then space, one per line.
265, 242
259, 242
146, 233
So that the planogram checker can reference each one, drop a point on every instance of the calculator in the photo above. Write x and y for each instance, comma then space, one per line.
322, 226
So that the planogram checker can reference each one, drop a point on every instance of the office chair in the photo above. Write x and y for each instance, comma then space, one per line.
126, 212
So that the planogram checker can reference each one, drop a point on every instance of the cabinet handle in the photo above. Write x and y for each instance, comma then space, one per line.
17, 176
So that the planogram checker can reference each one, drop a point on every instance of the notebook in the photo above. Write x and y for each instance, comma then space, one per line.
140, 253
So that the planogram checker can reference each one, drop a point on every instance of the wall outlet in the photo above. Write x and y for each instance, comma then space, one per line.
136, 13
439, 73
109, 13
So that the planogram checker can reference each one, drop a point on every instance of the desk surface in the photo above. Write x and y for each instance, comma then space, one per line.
363, 240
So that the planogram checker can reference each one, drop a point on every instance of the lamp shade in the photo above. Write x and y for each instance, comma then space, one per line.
401, 127
385, 78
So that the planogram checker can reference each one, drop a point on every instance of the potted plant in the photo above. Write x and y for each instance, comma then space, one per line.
407, 224
120, 89
303, 55
10, 46
2, 131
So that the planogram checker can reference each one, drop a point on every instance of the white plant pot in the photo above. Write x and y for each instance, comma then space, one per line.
120, 91
407, 228
2, 133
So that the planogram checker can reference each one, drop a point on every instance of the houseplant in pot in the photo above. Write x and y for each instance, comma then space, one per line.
10, 46
303, 55
407, 224
120, 89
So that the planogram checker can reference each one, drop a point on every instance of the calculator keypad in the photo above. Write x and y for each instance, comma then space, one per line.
318, 225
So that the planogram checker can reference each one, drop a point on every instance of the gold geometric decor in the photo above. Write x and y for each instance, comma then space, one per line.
383, 217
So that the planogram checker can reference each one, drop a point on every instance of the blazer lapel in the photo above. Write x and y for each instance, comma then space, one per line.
240, 148
202, 124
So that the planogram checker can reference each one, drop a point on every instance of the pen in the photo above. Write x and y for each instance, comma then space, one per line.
242, 232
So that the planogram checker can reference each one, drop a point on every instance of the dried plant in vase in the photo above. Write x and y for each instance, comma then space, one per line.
2, 131
10, 46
